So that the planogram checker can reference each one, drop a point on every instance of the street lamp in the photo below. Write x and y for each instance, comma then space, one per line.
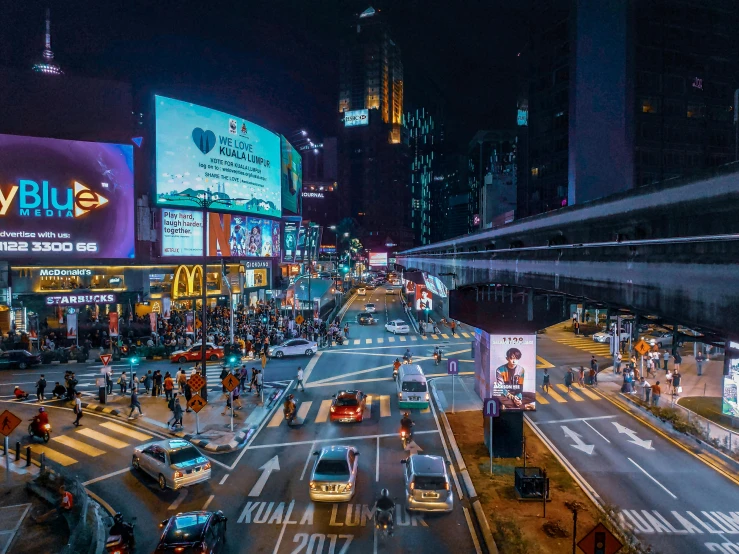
204, 200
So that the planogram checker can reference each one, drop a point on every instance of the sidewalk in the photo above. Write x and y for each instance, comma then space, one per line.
210, 430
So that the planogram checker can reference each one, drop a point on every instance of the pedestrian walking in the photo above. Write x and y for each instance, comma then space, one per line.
668, 378
650, 366
300, 379
656, 393
665, 358
181, 380
243, 374
678, 360
581, 377
40, 388
109, 382
156, 389
148, 378
619, 360
545, 381
594, 375
177, 412
135, 404
253, 382
647, 391
676, 380
123, 382
454, 328
134, 383
568, 379
259, 382
188, 397
699, 361
237, 398
577, 327
71, 385
78, 409
168, 386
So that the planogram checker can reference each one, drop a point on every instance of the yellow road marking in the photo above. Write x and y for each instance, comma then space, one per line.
466, 335
356, 341
415, 337
105, 439
323, 411
540, 399
444, 336
391, 339
53, 455
380, 340
589, 394
402, 339
542, 363
572, 394
384, 405
368, 341
303, 409
435, 337
276, 419
78, 445
125, 431
424, 337
426, 410
368, 407
556, 396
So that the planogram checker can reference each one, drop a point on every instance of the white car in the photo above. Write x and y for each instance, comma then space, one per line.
370, 308
397, 326
602, 337
361, 291
294, 347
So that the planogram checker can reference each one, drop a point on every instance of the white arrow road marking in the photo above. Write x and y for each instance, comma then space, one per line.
413, 448
267, 469
579, 444
179, 499
647, 444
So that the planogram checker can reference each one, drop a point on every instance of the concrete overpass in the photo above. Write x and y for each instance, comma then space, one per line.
669, 250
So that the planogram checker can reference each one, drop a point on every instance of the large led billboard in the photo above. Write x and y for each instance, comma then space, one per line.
356, 118
65, 199
228, 235
505, 367
199, 149
378, 259
731, 382
292, 177
290, 232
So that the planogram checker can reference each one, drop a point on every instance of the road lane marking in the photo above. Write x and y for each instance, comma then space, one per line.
368, 408
391, 339
384, 405
54, 456
125, 431
335, 439
435, 337
556, 396
107, 476
176, 504
594, 429
426, 410
310, 366
96, 436
307, 460
224, 479
652, 478
380, 340
443, 336
465, 335
423, 337
575, 419
78, 445
356, 341
572, 394
540, 399
541, 363
276, 419
368, 341
403, 339
303, 409
377, 462
323, 411
414, 337
589, 394
207, 502
475, 541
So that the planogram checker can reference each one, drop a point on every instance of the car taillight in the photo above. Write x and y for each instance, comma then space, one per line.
427, 396
312, 485
446, 485
333, 409
359, 410
207, 465
178, 474
349, 486
413, 486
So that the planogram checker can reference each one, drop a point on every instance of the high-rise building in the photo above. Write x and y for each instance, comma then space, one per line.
47, 65
450, 198
492, 177
373, 151
425, 139
623, 94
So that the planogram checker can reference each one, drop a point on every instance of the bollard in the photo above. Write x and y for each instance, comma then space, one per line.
28, 456
42, 460
17, 450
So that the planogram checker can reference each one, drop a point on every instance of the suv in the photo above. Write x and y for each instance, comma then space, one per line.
20, 359
427, 486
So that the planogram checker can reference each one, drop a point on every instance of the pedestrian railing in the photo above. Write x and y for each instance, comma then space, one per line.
724, 437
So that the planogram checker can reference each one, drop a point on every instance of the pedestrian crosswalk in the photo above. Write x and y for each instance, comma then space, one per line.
405, 338
558, 394
88, 442
320, 410
587, 344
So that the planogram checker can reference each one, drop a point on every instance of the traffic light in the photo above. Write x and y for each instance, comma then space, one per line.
134, 360
232, 360
264, 319
344, 269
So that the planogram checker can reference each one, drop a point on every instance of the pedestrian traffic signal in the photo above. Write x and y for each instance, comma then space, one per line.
232, 359
264, 319
134, 360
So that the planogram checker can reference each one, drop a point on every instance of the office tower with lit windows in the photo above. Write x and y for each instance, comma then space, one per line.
374, 161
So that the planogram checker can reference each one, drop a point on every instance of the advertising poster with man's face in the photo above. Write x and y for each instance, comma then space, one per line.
512, 375
424, 301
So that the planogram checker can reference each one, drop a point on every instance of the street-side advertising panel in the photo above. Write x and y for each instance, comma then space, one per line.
292, 177
65, 199
291, 228
731, 381
229, 235
199, 149
505, 367
424, 300
378, 259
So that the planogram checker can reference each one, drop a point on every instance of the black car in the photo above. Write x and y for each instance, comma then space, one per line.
193, 533
365, 318
18, 359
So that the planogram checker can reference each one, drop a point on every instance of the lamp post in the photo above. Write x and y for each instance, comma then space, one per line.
204, 200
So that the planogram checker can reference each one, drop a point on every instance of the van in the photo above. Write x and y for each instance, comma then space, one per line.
412, 387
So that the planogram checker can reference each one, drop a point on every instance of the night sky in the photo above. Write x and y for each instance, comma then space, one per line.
286, 52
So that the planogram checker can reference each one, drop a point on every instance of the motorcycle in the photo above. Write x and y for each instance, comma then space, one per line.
384, 522
406, 434
43, 431
395, 374
437, 357
290, 414
118, 544
407, 359
339, 340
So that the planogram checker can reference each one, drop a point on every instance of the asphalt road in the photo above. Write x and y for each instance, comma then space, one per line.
669, 497
269, 509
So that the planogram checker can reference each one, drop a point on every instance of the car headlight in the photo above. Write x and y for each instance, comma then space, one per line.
348, 486
333, 409
312, 485
178, 474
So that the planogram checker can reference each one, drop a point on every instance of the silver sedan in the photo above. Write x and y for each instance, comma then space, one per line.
334, 474
174, 463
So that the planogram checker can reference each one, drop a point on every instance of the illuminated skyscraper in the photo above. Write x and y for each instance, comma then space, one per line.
48, 65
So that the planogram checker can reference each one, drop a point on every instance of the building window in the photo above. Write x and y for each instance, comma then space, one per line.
650, 104
696, 111
534, 171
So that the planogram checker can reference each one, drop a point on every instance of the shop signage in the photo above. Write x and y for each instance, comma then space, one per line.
257, 264
56, 272
191, 278
77, 299
313, 195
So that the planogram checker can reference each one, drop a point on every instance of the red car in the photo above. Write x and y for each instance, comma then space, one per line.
348, 405
193, 354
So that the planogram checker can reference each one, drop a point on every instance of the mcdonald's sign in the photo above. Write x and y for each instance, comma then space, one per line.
188, 281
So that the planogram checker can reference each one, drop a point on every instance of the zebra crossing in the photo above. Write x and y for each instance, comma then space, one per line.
558, 394
587, 344
318, 411
406, 338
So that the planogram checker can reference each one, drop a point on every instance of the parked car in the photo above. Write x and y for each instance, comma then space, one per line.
427, 486
18, 359
334, 474
348, 405
658, 338
193, 532
365, 318
293, 347
397, 326
194, 354
174, 463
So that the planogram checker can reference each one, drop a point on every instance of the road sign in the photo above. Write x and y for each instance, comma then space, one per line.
452, 366
642, 347
299, 319
8, 422
197, 403
230, 382
491, 407
600, 541
105, 358
196, 382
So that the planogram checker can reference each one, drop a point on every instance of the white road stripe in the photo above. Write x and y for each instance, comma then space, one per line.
307, 461
594, 429
179, 499
207, 502
653, 479
336, 439
224, 478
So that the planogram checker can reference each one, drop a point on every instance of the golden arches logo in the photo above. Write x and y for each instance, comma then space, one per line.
190, 277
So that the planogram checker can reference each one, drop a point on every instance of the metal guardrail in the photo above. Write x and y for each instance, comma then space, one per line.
726, 437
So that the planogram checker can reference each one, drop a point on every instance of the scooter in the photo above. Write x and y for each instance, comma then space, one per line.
384, 522
116, 544
437, 357
42, 431
406, 434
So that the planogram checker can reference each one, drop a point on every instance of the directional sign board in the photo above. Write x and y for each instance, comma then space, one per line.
8, 422
452, 366
196, 382
230, 382
600, 541
491, 407
105, 358
642, 347
197, 403
299, 319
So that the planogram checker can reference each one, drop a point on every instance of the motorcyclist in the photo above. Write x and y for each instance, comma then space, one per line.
122, 529
289, 408
384, 509
407, 357
20, 394
39, 420
346, 330
396, 367
406, 422
437, 354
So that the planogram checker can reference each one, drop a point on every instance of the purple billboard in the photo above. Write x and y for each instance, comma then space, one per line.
65, 199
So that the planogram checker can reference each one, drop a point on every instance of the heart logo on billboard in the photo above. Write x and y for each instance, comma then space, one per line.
204, 140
